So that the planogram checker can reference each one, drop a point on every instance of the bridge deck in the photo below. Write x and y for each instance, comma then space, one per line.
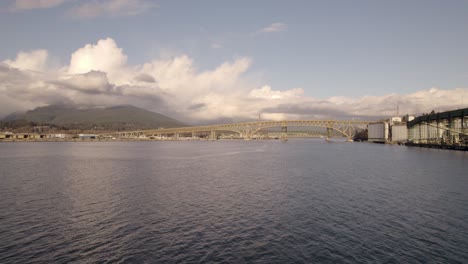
247, 129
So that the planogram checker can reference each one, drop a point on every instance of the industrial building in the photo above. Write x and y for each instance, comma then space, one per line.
447, 129
9, 136
399, 133
393, 130
87, 136
378, 132
436, 130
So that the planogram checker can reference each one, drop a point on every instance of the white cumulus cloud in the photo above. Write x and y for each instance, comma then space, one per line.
103, 56
35, 60
99, 74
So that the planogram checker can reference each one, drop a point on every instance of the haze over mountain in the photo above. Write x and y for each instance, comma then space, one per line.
123, 117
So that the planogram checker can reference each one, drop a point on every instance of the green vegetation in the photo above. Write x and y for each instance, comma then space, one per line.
361, 135
116, 118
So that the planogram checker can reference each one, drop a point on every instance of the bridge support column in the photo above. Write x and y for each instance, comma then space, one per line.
284, 132
213, 135
194, 134
329, 133
176, 136
247, 134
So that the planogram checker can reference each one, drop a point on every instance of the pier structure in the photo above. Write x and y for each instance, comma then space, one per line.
445, 130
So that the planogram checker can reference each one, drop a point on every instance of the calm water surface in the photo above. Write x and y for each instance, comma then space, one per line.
303, 201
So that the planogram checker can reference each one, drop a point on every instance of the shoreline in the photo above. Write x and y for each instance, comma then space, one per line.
436, 146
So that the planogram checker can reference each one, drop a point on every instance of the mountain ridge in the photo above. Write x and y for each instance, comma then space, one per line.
119, 117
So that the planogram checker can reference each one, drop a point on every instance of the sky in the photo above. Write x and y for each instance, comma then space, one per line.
216, 60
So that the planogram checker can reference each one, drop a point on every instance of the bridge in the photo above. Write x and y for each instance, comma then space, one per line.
249, 130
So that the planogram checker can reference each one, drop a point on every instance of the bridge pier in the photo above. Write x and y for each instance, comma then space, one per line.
284, 132
212, 135
329, 133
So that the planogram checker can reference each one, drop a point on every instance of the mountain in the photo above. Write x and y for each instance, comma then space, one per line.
123, 117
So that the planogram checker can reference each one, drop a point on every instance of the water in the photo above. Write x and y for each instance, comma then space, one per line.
304, 201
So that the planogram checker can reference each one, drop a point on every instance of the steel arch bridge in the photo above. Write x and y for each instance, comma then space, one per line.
252, 129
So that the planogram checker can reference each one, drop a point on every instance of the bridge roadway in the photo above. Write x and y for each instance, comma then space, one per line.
251, 129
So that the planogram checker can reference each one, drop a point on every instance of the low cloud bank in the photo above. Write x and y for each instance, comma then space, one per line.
98, 75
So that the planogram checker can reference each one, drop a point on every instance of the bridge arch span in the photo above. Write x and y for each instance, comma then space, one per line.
322, 126
247, 130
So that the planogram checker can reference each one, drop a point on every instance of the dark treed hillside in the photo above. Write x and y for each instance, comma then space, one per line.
114, 118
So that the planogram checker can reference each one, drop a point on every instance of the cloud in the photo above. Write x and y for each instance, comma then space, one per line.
216, 45
35, 60
274, 27
144, 78
27, 89
267, 93
110, 8
92, 82
103, 56
19, 5
196, 106
99, 74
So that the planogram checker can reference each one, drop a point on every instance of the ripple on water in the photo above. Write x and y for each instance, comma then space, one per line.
230, 201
